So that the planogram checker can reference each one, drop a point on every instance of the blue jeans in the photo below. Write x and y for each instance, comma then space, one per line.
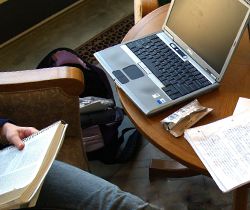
67, 187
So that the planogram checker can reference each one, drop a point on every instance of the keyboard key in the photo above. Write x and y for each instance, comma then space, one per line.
175, 96
152, 68
181, 89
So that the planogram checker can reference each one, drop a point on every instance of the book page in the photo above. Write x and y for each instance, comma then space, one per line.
224, 149
18, 168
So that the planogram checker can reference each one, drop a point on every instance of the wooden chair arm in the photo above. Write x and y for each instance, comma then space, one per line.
69, 79
143, 7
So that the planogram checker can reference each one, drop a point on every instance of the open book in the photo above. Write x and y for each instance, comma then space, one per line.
22, 172
224, 147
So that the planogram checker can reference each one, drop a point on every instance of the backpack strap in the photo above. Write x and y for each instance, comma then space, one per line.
131, 147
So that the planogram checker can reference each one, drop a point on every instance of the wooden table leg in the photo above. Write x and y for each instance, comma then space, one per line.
169, 168
240, 198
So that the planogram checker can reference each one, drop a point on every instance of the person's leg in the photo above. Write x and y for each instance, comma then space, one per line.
67, 187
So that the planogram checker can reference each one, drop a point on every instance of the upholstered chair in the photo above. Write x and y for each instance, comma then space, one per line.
42, 96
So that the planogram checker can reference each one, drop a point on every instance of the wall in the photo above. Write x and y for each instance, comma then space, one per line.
17, 16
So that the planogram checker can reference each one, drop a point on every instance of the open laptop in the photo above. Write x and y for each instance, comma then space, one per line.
187, 58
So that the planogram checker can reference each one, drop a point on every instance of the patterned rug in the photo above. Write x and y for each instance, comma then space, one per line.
111, 36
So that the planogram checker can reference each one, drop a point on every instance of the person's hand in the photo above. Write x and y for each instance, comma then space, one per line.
14, 134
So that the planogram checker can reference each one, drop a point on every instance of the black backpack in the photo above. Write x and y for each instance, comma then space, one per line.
102, 124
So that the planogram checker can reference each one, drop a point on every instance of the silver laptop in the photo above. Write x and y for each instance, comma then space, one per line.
187, 58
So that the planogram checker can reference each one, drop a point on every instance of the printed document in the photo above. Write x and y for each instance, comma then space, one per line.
224, 147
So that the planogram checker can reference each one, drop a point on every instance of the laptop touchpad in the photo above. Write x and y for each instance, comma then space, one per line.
133, 72
120, 76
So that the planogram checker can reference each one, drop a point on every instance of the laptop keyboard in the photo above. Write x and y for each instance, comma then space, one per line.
180, 78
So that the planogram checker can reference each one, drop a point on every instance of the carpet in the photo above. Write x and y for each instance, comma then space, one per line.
109, 37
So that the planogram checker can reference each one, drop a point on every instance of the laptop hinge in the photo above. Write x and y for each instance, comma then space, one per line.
213, 76
169, 35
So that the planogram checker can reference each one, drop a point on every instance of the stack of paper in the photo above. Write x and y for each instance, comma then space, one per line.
224, 147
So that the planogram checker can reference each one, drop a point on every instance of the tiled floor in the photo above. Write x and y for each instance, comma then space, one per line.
71, 30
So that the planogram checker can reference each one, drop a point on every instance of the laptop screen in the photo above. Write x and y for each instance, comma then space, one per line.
208, 27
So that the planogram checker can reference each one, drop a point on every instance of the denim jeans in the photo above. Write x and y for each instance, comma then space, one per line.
67, 187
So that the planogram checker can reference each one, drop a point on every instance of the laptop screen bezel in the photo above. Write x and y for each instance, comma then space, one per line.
199, 60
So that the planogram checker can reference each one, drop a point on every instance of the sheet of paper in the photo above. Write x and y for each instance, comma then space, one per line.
242, 105
224, 149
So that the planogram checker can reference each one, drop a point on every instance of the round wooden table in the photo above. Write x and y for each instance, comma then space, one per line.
235, 84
